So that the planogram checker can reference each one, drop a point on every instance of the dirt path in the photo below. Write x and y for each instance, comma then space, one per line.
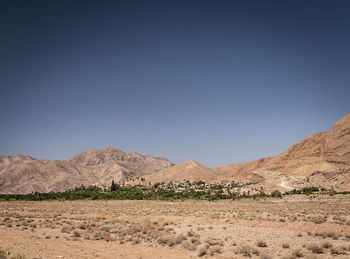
283, 185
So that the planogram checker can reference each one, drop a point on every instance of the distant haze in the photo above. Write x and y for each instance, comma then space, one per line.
218, 82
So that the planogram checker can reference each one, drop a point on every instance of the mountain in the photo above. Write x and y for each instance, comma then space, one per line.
24, 174
190, 170
322, 159
123, 165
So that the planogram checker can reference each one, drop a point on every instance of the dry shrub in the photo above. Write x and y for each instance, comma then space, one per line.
2, 254
215, 250
327, 245
166, 240
102, 236
179, 238
76, 234
202, 249
82, 226
129, 238
261, 243
65, 229
214, 241
247, 250
169, 229
285, 245
316, 249
265, 256
337, 251
188, 245
327, 234
318, 220
146, 228
190, 233
18, 257
136, 241
105, 228
335, 237
132, 230
33, 225
195, 240
297, 253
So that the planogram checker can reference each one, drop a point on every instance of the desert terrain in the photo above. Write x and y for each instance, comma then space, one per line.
314, 226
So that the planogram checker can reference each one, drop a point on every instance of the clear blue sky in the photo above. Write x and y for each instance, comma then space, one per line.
214, 81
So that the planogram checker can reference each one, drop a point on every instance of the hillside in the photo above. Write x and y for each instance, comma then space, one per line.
24, 174
190, 170
322, 159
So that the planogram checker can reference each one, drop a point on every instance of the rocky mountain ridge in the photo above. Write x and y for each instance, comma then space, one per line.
24, 174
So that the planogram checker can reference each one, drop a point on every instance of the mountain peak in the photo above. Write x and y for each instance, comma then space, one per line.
189, 170
91, 150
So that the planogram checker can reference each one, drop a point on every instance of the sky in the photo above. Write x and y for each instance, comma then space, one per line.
216, 81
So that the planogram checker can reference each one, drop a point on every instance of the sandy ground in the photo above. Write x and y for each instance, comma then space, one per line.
308, 226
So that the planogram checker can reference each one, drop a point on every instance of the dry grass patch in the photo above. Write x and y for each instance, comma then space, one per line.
202, 250
315, 249
261, 243
337, 251
215, 250
65, 229
166, 239
99, 235
285, 245
297, 253
247, 250
327, 245
187, 244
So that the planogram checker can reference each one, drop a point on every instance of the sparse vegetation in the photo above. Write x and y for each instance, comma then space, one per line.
327, 245
297, 253
261, 243
161, 191
247, 250
316, 249
202, 249
337, 251
285, 245
200, 228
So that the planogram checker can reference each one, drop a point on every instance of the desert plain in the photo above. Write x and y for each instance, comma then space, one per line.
295, 226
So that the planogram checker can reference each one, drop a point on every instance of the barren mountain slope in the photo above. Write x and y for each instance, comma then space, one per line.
133, 163
322, 159
190, 170
23, 174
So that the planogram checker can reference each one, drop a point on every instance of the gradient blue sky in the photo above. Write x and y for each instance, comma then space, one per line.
214, 81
